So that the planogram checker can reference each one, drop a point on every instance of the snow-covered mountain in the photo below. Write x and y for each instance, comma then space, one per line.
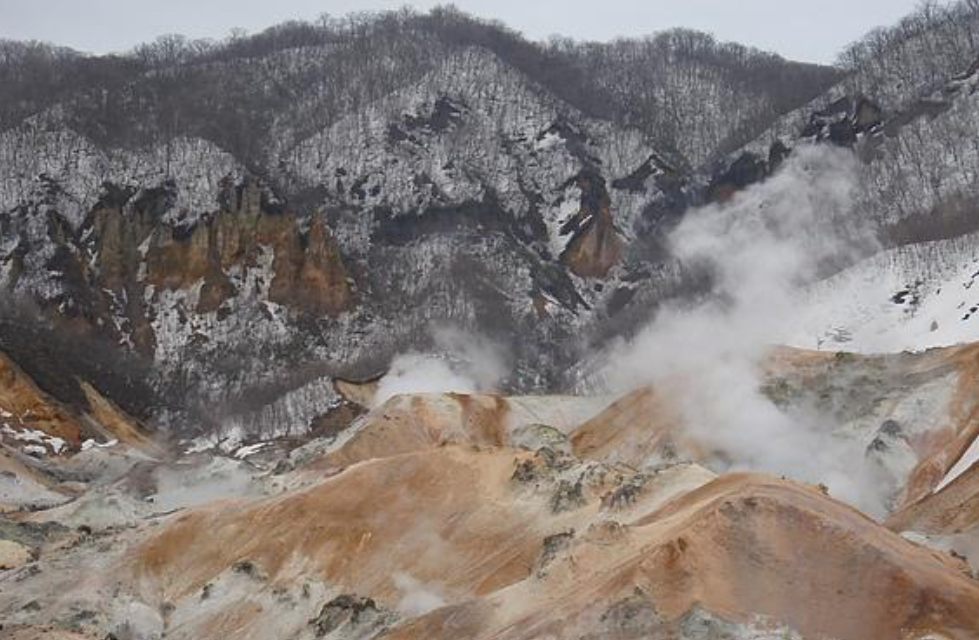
258, 217
316, 199
290, 327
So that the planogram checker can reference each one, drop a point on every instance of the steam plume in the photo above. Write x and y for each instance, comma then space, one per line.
459, 362
759, 249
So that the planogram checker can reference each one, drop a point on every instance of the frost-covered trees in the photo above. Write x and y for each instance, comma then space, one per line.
682, 89
917, 54
693, 94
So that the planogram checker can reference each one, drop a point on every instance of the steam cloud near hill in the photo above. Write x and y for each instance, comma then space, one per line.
759, 248
472, 364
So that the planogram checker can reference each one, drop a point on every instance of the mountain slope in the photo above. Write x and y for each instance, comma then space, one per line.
907, 106
907, 298
448, 515
329, 193
467, 536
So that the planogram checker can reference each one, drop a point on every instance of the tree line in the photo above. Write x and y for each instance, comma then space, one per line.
683, 89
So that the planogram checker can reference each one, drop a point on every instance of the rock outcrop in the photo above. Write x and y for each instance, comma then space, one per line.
595, 246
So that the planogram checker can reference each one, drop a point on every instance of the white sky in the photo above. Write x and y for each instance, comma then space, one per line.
810, 30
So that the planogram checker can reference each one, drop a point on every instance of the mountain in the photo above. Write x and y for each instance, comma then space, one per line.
257, 216
322, 195
403, 326
905, 104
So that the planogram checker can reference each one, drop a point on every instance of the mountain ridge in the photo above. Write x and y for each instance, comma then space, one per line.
463, 190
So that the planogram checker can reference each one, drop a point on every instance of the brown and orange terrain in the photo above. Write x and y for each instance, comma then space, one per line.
410, 324
489, 517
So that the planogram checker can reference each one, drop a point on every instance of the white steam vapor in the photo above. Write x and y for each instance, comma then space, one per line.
464, 364
416, 598
760, 249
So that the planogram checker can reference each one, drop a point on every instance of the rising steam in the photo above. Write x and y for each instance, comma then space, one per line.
459, 362
759, 249
416, 598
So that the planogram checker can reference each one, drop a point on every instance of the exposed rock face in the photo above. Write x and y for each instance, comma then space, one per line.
842, 121
35, 422
309, 274
351, 617
595, 246
25, 409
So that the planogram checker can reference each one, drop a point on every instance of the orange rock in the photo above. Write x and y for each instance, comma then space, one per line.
596, 246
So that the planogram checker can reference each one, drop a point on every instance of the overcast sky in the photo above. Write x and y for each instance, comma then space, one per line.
811, 30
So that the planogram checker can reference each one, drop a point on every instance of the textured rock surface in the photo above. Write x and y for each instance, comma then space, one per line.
448, 515
13, 555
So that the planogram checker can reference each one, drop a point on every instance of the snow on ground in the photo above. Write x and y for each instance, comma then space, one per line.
251, 449
969, 458
909, 298
38, 442
92, 444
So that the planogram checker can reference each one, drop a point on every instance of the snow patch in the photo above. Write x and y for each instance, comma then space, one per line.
909, 298
92, 444
250, 449
39, 442
969, 458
